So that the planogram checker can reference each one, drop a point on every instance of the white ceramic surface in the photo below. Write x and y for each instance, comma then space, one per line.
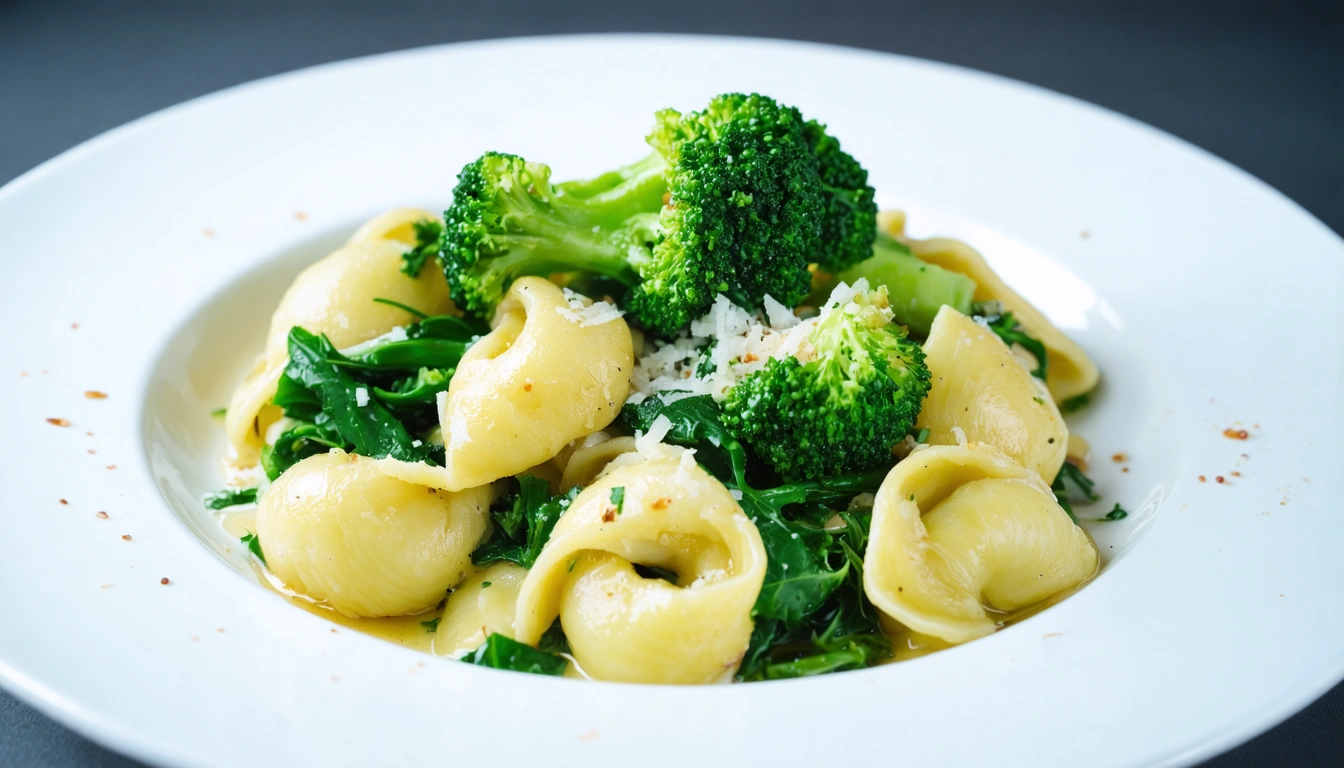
1209, 300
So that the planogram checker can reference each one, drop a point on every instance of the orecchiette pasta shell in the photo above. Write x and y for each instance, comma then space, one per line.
622, 626
336, 295
958, 530
585, 463
250, 412
337, 529
1071, 372
980, 387
483, 604
535, 383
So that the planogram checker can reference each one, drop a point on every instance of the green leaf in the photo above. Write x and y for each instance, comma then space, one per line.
501, 652
370, 428
554, 640
427, 233
231, 497
219, 413
402, 307
423, 389
1006, 327
253, 543
1116, 514
523, 523
410, 354
432, 625
298, 443
696, 423
618, 499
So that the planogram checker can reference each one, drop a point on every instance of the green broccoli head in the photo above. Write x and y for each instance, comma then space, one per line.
849, 218
742, 214
841, 405
730, 202
507, 221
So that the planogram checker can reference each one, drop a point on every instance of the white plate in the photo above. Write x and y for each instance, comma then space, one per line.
1209, 300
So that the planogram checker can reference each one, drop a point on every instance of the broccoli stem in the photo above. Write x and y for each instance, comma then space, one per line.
616, 195
916, 289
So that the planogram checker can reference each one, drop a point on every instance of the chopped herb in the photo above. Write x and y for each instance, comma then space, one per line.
912, 497
501, 652
231, 497
253, 543
1075, 403
485, 584
923, 436
1116, 514
1071, 478
1038, 400
219, 413
572, 563
618, 498
432, 625
427, 233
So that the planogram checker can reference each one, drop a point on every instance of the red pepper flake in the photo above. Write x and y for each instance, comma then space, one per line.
59, 422
111, 466
1202, 479
661, 503
1085, 235
527, 386
750, 358
609, 516
208, 232
1220, 479
220, 630
164, 580
74, 326
335, 678
1234, 473
126, 536
88, 434
94, 394
23, 374
1120, 457
1124, 469
300, 215
100, 514
63, 501
1236, 434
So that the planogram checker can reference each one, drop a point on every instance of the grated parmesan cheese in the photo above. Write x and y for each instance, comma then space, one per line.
585, 312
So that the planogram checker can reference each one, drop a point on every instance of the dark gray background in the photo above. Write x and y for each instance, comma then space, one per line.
1258, 83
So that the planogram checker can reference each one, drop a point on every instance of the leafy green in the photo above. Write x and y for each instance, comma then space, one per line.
523, 523
1116, 514
423, 388
656, 572
432, 625
231, 497
618, 498
427, 233
1006, 327
402, 307
1072, 486
253, 543
298, 443
219, 413
501, 652
554, 640
370, 428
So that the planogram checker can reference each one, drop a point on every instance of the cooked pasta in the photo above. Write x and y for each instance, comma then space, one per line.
959, 532
980, 392
629, 627
340, 531
704, 418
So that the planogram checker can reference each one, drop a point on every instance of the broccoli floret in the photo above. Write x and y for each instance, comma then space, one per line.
849, 220
843, 407
729, 202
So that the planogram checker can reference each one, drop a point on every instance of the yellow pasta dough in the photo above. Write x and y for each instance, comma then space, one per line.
622, 626
483, 604
958, 531
979, 387
335, 297
335, 528
538, 381
1071, 371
